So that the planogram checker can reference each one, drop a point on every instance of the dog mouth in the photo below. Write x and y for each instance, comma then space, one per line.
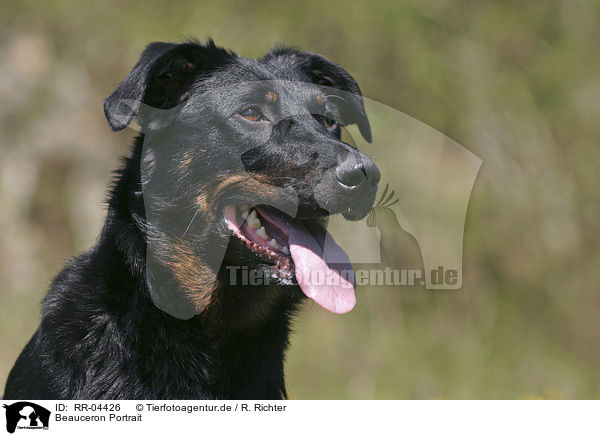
259, 232
300, 249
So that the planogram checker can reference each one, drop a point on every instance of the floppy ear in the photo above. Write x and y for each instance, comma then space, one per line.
160, 79
324, 72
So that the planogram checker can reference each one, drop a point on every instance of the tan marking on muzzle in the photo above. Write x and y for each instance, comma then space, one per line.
256, 184
184, 164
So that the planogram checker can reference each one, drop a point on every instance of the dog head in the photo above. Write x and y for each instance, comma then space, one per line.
242, 163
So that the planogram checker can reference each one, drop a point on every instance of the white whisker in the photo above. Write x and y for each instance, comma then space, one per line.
191, 221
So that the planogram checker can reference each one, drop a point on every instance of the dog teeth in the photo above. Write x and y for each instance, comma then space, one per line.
244, 209
253, 220
273, 243
262, 232
285, 250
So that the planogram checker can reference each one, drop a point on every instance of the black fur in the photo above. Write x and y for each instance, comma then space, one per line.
101, 335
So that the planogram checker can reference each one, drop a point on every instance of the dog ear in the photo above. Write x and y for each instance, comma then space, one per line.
324, 72
160, 79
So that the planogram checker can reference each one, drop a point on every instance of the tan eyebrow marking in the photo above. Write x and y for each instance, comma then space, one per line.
271, 96
319, 99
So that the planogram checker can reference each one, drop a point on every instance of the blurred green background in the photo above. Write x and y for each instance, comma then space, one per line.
517, 83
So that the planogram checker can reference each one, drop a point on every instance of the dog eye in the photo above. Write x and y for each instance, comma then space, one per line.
252, 114
330, 123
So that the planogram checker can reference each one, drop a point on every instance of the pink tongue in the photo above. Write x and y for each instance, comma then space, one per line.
324, 275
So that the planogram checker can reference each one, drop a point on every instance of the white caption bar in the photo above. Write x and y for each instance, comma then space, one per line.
302, 417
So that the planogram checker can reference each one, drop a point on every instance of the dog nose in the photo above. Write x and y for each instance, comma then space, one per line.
354, 172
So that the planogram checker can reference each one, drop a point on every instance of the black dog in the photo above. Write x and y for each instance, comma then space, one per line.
239, 163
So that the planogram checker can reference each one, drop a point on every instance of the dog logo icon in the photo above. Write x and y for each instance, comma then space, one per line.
26, 415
